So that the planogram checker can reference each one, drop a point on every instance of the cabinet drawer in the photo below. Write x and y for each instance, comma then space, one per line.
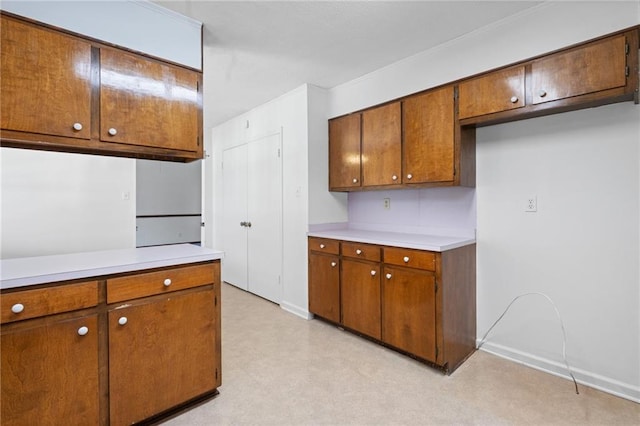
361, 251
412, 258
324, 245
47, 301
151, 283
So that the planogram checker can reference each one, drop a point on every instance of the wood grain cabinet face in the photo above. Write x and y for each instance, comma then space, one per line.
344, 152
50, 373
162, 352
591, 68
382, 146
498, 91
324, 286
429, 139
409, 311
360, 297
145, 102
46, 81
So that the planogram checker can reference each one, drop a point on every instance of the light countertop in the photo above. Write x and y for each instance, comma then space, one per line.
396, 239
27, 271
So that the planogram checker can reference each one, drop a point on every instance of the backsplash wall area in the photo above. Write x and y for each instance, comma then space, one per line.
440, 211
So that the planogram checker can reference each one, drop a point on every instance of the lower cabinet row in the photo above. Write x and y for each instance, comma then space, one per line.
71, 357
419, 302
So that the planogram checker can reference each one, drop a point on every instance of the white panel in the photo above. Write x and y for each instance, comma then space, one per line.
57, 203
234, 211
167, 188
138, 25
154, 231
265, 216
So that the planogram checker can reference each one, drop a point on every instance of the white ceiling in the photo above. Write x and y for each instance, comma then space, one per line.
256, 51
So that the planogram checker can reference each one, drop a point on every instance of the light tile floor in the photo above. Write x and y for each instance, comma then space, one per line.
278, 369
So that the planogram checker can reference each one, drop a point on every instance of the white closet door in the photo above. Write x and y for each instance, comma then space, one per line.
234, 236
265, 216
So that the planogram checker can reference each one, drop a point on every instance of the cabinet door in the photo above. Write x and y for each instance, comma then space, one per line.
360, 296
344, 152
324, 286
495, 92
147, 103
161, 353
50, 373
429, 144
381, 146
409, 311
46, 81
597, 66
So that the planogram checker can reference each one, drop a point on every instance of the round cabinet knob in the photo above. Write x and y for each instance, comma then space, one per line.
358, 251
113, 131
82, 331
17, 308
321, 246
355, 180
122, 320
514, 99
167, 282
243, 223
406, 259
394, 177
409, 176
77, 127
388, 276
333, 264
373, 273
542, 93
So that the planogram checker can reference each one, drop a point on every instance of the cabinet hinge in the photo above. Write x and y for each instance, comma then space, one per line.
436, 355
278, 152
626, 48
455, 170
436, 286
626, 71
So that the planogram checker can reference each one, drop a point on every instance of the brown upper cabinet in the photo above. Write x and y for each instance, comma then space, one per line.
588, 75
46, 81
591, 68
345, 170
381, 145
494, 92
429, 137
64, 92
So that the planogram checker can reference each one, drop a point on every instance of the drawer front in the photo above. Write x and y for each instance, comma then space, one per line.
324, 245
21, 305
361, 251
412, 258
152, 283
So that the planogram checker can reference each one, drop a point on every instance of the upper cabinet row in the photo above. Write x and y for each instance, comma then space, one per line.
428, 139
66, 93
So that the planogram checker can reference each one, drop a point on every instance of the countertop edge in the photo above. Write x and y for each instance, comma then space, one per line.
95, 272
456, 242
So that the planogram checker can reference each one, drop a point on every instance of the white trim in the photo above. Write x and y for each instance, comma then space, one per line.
587, 378
296, 310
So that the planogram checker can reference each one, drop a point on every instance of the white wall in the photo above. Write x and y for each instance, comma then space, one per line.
585, 258
55, 203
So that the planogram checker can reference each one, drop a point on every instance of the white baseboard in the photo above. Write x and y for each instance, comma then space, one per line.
587, 378
296, 310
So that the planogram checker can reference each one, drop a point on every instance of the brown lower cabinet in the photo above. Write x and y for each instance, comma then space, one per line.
421, 303
71, 357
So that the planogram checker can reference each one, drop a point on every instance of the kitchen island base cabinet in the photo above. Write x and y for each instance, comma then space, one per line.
50, 372
117, 349
161, 353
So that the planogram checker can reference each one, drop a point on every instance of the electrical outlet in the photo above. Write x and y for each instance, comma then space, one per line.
532, 204
387, 203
